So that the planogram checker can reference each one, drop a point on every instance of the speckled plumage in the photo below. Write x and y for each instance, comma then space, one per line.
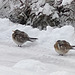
20, 37
62, 47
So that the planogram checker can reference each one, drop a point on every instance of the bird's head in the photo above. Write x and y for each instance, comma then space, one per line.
60, 42
17, 31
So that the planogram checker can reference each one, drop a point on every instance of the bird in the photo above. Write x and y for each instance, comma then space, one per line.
62, 47
20, 37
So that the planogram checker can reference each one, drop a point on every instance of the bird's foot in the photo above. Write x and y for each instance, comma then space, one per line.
60, 54
19, 46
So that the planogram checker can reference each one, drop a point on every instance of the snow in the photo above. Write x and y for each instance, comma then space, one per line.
64, 2
47, 9
37, 5
35, 58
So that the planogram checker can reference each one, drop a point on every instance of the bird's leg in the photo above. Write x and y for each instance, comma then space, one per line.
61, 54
19, 46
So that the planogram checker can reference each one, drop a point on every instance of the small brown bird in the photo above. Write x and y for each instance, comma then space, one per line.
20, 37
62, 47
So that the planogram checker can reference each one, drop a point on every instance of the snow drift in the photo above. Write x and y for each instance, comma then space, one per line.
39, 57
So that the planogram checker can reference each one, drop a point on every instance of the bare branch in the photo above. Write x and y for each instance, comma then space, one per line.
21, 3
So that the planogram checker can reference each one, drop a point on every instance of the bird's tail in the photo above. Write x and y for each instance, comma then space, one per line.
32, 39
73, 48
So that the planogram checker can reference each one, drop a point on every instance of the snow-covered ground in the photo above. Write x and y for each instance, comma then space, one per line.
35, 58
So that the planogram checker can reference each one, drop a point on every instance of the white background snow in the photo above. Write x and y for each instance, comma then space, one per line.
35, 58
39, 57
